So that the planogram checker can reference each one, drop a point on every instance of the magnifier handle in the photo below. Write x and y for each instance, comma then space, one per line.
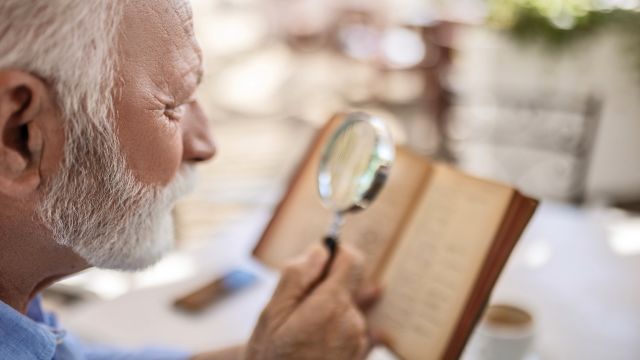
331, 242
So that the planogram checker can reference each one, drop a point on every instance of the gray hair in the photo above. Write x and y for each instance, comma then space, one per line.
70, 44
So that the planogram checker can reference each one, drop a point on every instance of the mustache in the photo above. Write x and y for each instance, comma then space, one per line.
182, 184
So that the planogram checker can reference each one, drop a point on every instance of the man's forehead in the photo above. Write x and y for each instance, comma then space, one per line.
158, 37
164, 20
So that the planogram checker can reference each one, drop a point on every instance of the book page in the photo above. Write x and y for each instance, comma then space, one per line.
375, 230
436, 261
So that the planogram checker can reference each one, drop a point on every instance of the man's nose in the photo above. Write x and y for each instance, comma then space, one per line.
198, 144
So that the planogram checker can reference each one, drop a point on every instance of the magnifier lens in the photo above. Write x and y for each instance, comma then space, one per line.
352, 161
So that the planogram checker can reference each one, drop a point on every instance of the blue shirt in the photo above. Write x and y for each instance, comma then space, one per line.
38, 336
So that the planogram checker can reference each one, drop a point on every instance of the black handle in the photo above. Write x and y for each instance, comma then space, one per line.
331, 242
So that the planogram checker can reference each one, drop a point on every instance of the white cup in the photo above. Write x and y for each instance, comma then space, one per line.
505, 333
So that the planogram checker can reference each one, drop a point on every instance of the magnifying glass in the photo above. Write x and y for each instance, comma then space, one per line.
353, 169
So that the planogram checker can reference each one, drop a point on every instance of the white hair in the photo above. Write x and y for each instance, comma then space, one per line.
93, 204
71, 44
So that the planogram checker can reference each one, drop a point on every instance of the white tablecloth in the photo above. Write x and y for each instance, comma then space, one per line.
572, 270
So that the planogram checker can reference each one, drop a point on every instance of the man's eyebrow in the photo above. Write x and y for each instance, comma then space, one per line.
199, 75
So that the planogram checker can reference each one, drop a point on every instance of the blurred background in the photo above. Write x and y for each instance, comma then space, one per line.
541, 94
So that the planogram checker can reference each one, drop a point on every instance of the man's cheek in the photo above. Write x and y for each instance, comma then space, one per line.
166, 157
154, 155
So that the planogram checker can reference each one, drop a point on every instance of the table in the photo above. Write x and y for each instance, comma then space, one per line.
576, 270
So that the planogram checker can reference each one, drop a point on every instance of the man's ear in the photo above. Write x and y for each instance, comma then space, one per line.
24, 104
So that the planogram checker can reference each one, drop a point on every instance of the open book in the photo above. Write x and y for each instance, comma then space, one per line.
436, 238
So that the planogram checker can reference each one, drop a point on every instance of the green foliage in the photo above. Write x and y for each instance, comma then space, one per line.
559, 22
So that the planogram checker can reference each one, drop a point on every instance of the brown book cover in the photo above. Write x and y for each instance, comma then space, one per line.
437, 239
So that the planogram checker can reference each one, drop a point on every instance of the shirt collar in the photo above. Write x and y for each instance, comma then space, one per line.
27, 334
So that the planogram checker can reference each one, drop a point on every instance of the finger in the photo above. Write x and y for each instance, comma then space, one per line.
368, 296
298, 276
296, 279
380, 337
347, 270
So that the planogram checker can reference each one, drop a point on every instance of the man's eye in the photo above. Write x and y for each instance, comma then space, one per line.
175, 112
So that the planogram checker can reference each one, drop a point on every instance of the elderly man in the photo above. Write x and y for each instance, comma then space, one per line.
99, 131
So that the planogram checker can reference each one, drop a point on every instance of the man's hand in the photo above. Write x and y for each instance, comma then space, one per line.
313, 318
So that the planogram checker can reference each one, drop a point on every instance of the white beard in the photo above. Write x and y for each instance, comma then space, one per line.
99, 209
144, 234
